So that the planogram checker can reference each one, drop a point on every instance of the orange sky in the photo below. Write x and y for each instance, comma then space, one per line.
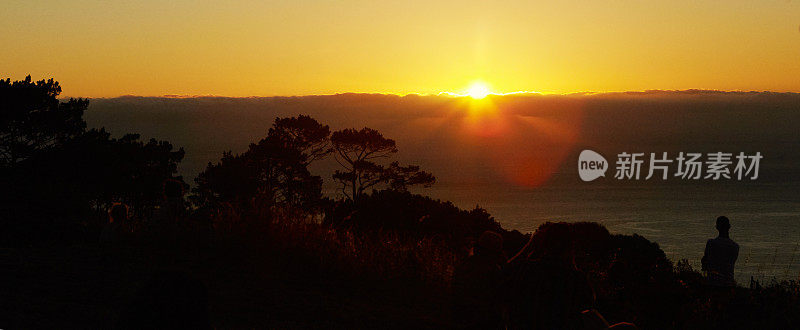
264, 48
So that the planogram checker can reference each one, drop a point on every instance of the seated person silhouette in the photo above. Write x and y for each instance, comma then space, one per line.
547, 290
117, 227
720, 256
476, 282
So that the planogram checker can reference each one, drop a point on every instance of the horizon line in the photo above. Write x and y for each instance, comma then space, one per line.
448, 94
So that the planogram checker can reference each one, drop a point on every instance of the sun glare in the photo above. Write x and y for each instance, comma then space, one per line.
478, 90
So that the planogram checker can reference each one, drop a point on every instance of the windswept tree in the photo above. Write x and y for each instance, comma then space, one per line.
33, 119
401, 177
359, 152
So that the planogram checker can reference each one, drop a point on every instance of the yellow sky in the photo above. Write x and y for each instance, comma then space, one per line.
264, 48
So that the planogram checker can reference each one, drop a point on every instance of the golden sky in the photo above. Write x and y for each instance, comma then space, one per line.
264, 48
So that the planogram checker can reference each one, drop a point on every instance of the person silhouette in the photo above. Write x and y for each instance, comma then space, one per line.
476, 284
720, 256
169, 213
117, 227
172, 205
546, 290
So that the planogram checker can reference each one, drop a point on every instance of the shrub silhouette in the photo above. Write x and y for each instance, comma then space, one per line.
414, 215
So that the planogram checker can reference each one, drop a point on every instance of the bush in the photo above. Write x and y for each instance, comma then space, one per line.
415, 216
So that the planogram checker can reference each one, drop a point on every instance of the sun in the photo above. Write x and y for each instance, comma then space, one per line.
478, 90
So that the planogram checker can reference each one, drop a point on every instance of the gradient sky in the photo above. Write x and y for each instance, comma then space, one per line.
264, 48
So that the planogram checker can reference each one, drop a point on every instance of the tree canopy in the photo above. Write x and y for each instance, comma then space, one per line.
33, 119
359, 152
55, 172
273, 171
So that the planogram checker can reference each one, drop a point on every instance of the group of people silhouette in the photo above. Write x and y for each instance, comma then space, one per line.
545, 290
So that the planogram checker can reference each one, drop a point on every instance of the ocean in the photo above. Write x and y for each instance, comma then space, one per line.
765, 219
518, 157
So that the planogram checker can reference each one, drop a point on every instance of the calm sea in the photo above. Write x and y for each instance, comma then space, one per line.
530, 136
765, 217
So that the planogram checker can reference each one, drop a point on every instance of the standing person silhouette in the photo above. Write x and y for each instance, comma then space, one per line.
720, 256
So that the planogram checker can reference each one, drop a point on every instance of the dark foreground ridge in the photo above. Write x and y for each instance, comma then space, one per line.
300, 275
100, 232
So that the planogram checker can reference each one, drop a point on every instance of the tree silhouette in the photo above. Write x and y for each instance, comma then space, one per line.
358, 152
273, 171
94, 170
304, 134
230, 180
301, 141
401, 177
32, 118
282, 173
61, 173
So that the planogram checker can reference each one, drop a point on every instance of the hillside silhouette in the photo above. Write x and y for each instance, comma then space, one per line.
104, 232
